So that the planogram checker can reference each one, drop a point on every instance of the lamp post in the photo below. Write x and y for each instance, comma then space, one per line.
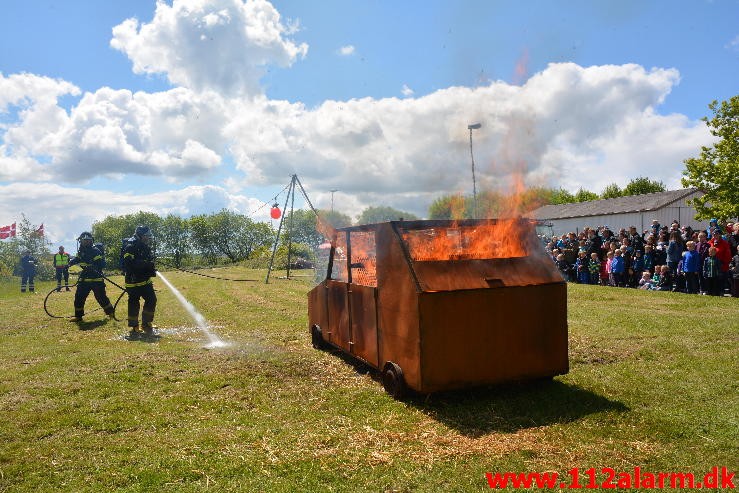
472, 127
332, 198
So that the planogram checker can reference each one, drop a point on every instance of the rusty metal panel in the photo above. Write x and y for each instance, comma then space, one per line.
363, 306
451, 275
317, 307
397, 307
338, 320
486, 336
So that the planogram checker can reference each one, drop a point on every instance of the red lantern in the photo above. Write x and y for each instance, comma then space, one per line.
275, 212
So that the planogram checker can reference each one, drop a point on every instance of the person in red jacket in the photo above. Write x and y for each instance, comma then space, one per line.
723, 253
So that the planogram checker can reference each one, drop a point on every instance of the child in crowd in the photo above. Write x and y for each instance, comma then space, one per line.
734, 272
679, 278
656, 276
649, 259
555, 254
646, 281
609, 272
712, 273
563, 267
637, 266
691, 267
666, 280
603, 273
618, 269
702, 248
581, 266
594, 268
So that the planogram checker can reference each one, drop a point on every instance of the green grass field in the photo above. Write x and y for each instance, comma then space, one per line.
653, 383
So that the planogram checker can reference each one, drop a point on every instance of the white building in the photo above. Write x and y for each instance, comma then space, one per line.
622, 212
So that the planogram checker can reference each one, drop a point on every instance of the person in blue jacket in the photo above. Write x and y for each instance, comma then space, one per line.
28, 271
91, 278
674, 251
618, 268
691, 268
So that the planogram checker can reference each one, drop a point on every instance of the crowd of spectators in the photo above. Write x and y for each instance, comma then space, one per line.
662, 258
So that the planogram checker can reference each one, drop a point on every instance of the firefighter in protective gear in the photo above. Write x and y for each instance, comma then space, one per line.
139, 268
61, 265
28, 271
91, 278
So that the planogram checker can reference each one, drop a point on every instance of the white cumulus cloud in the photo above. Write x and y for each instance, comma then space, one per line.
347, 50
221, 45
176, 134
566, 126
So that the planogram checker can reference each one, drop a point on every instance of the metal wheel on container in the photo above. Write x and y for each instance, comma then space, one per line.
316, 337
393, 381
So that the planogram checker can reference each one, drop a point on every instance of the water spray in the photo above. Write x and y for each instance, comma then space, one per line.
213, 340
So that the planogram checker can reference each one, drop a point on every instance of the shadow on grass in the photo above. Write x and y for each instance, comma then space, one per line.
512, 407
501, 408
91, 325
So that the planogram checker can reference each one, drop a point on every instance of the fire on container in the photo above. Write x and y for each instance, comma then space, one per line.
440, 305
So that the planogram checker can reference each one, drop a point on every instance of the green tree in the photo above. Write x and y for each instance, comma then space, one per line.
562, 196
9, 257
612, 191
111, 231
27, 238
173, 239
303, 226
335, 218
450, 207
583, 195
642, 185
228, 234
716, 171
380, 214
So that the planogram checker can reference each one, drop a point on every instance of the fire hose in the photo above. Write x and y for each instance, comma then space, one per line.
115, 305
124, 291
204, 275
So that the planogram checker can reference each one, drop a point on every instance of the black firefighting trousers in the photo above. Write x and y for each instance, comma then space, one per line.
98, 289
150, 303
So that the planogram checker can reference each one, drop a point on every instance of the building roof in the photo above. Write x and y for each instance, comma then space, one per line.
619, 205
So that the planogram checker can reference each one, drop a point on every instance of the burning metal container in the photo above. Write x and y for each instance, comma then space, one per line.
439, 305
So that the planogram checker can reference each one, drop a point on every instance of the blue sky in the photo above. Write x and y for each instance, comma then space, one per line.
180, 111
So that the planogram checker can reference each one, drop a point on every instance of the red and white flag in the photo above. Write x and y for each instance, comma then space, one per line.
40, 230
7, 231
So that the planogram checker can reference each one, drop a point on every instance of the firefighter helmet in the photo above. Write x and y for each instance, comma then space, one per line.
143, 233
85, 240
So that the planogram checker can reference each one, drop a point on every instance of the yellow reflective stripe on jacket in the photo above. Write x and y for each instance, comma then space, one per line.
137, 284
91, 279
97, 257
127, 255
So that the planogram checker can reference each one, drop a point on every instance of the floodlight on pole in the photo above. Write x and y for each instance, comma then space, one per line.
332, 198
471, 127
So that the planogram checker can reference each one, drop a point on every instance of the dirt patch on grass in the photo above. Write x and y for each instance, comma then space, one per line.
587, 351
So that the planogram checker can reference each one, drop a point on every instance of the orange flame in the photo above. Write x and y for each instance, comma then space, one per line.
503, 238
